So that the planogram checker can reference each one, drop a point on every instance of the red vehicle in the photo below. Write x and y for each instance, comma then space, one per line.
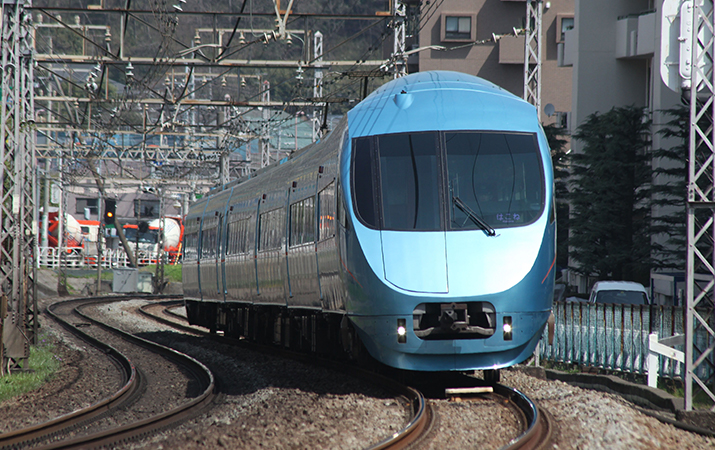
75, 238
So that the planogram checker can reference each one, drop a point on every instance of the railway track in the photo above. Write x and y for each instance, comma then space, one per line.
535, 422
70, 431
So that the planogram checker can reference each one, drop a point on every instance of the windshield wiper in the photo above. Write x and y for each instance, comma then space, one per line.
474, 216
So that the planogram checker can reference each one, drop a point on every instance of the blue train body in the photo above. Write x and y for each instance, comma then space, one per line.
422, 227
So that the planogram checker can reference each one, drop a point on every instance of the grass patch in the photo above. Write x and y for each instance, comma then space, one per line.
172, 272
43, 363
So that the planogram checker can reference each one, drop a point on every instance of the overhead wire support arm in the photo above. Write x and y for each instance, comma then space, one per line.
82, 36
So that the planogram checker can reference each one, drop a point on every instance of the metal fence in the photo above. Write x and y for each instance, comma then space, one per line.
75, 258
615, 337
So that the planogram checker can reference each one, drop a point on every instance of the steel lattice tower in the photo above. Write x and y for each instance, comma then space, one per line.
18, 196
532, 54
700, 270
398, 50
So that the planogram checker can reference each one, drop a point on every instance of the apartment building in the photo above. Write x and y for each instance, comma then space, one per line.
460, 35
614, 49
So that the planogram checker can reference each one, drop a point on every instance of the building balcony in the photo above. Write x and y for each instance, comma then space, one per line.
635, 35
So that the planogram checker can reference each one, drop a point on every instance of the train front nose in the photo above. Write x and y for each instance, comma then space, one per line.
415, 262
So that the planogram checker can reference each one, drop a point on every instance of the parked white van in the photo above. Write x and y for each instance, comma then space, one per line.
621, 292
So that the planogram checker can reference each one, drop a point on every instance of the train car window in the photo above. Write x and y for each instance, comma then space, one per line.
191, 242
498, 176
302, 222
409, 181
238, 233
270, 229
364, 181
209, 242
326, 212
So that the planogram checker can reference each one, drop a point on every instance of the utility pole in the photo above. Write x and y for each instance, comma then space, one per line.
18, 202
532, 54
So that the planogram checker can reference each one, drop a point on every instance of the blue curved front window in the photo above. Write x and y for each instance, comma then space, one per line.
435, 181
497, 175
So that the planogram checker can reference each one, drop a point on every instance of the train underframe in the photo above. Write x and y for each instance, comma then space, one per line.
298, 329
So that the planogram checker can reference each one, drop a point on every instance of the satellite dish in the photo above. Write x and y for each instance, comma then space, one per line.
549, 109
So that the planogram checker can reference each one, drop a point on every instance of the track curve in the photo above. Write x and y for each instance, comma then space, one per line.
62, 426
422, 414
537, 426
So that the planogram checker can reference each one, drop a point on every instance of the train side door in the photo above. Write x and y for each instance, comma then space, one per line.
301, 254
221, 258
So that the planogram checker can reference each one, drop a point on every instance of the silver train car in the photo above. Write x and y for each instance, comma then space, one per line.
420, 231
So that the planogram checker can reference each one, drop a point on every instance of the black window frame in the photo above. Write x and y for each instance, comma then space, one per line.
375, 187
141, 204
440, 177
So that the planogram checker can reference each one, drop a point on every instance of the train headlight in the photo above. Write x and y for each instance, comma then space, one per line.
401, 331
507, 328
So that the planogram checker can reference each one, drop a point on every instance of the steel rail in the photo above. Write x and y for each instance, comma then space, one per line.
538, 424
15, 439
126, 432
151, 424
422, 414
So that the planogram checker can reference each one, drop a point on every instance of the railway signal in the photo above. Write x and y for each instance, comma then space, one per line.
110, 207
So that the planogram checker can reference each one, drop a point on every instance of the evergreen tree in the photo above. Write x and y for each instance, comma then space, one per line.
610, 219
559, 158
671, 191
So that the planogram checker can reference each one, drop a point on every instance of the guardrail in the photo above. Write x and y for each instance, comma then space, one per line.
616, 337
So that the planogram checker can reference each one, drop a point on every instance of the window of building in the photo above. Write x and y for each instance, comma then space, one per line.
458, 27
564, 22
90, 203
147, 209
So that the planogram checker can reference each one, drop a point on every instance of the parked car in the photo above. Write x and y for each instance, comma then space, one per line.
621, 292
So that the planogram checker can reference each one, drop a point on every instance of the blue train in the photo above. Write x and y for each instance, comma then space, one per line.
421, 230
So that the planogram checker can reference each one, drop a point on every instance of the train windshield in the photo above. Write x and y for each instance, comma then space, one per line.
497, 176
493, 180
409, 174
134, 235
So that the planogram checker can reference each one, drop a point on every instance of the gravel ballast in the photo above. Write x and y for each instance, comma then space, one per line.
275, 403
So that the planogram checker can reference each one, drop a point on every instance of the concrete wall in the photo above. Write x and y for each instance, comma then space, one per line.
600, 80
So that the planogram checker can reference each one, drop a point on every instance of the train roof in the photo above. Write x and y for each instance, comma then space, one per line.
441, 100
